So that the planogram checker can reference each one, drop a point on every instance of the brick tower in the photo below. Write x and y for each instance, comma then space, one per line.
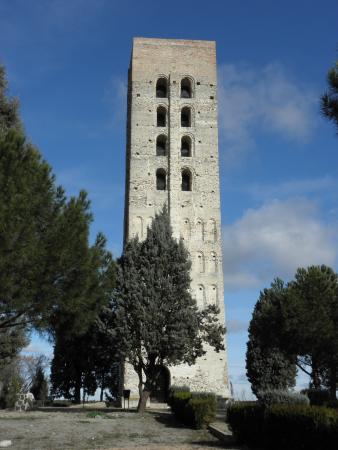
172, 157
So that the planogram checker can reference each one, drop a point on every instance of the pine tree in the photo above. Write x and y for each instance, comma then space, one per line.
267, 366
39, 386
83, 350
329, 101
157, 322
310, 324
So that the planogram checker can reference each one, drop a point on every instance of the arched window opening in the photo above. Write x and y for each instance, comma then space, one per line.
185, 117
161, 182
186, 229
200, 295
213, 262
161, 88
186, 180
199, 230
213, 295
185, 88
161, 116
186, 146
200, 262
161, 145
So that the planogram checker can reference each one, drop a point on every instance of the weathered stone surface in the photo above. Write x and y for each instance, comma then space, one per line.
195, 214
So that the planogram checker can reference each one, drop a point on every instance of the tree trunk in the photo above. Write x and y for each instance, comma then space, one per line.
102, 388
77, 393
142, 403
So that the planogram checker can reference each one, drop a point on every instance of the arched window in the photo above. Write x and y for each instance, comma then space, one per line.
213, 262
213, 295
186, 229
185, 117
186, 180
161, 182
199, 230
161, 145
161, 88
186, 146
211, 230
185, 88
200, 262
200, 295
161, 116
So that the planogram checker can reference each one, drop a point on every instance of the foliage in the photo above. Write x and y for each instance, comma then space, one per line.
278, 396
296, 427
39, 386
284, 427
9, 107
310, 324
246, 422
157, 322
267, 366
318, 397
85, 359
192, 408
12, 341
329, 101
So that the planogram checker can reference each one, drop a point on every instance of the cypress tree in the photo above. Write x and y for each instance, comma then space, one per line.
157, 321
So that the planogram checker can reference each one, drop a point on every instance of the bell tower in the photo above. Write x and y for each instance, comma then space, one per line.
172, 157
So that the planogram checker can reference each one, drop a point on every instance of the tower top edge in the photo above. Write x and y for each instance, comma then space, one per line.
172, 42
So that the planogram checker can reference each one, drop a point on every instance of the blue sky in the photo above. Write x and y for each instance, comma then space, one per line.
67, 61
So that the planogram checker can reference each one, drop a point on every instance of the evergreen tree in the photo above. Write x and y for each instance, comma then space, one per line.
9, 107
310, 324
39, 386
329, 101
268, 367
157, 322
83, 354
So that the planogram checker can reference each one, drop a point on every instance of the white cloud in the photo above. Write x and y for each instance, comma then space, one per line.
38, 348
264, 100
237, 326
274, 240
115, 96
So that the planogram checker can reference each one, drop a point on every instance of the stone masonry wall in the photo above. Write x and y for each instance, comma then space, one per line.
195, 214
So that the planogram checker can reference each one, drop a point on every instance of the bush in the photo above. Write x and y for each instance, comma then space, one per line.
278, 396
318, 397
300, 427
284, 426
193, 409
246, 422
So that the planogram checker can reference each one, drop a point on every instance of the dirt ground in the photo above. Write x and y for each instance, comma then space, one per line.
41, 430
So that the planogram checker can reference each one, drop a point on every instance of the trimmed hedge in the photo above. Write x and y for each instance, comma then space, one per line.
284, 426
192, 408
279, 396
246, 422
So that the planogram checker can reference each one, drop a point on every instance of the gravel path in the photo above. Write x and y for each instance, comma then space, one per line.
38, 430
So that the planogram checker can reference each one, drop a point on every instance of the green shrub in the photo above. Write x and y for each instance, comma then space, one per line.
193, 409
201, 411
284, 426
278, 396
246, 422
318, 397
300, 427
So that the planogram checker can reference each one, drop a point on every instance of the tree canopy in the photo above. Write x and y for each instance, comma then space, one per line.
329, 100
268, 366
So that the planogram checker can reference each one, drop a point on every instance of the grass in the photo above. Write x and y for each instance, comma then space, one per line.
94, 414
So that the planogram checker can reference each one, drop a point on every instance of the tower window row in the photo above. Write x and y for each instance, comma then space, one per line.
161, 180
162, 88
162, 145
162, 119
